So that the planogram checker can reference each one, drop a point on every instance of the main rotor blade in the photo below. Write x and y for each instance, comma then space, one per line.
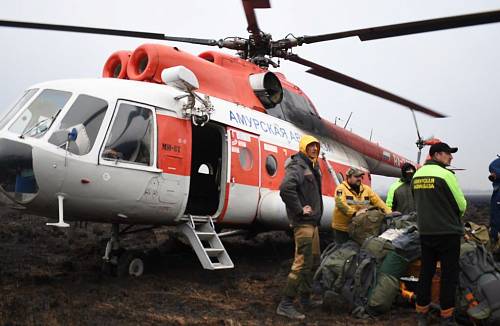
337, 77
373, 33
249, 6
104, 31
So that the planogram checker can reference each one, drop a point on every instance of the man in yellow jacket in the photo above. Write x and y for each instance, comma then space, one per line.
352, 197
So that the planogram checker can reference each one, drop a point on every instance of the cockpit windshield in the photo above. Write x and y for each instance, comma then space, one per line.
85, 117
37, 118
19, 104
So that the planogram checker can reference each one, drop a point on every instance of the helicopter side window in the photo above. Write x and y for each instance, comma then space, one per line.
131, 136
85, 115
20, 103
271, 165
37, 118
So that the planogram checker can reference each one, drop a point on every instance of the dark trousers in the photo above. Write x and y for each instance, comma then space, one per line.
495, 215
446, 249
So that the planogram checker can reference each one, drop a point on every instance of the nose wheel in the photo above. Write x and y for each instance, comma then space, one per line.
120, 262
130, 263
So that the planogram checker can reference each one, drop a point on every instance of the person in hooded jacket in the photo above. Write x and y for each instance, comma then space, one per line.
300, 190
495, 200
400, 196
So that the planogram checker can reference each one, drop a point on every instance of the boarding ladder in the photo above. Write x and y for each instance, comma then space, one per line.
201, 234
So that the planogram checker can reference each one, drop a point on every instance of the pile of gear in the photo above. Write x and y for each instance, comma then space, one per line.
380, 266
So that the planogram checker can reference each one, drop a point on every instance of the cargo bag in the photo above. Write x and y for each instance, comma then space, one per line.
359, 280
330, 273
479, 285
478, 233
387, 287
365, 225
377, 247
408, 244
346, 276
400, 221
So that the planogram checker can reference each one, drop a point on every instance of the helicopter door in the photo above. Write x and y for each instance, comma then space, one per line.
206, 170
244, 176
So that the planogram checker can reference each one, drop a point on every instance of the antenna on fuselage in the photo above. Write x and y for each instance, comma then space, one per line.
348, 119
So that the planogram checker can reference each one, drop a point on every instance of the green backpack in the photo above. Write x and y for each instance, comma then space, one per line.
334, 261
365, 225
387, 287
478, 233
346, 275
378, 247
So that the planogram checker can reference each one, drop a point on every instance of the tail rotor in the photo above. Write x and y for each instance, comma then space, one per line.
421, 142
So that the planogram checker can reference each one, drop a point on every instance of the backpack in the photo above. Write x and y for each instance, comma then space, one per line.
333, 263
387, 287
478, 233
360, 277
400, 221
346, 275
479, 284
365, 225
408, 244
378, 247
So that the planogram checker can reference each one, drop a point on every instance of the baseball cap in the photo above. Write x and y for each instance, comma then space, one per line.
442, 147
354, 171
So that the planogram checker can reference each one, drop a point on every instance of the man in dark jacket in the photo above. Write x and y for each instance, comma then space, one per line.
400, 197
300, 190
495, 200
440, 205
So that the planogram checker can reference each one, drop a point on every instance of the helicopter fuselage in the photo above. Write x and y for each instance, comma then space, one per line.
137, 159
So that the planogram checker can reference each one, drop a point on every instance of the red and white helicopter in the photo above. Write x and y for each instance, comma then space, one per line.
193, 141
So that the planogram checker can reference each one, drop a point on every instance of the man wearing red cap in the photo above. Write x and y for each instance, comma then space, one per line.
440, 205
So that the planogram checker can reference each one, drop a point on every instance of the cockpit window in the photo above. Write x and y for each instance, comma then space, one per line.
85, 116
131, 136
37, 118
20, 103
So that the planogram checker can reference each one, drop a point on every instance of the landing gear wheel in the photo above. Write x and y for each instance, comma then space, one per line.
130, 263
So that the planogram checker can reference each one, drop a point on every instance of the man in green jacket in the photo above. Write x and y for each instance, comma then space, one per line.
400, 196
440, 205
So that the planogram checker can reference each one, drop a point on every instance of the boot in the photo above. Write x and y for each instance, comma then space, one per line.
422, 319
447, 317
286, 308
308, 304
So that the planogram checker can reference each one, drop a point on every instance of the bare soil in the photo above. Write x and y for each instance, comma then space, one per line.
51, 276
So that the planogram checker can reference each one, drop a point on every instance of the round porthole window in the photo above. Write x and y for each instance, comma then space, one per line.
246, 159
271, 165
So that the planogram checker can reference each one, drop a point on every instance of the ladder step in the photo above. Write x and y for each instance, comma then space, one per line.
196, 218
206, 242
205, 235
214, 252
219, 266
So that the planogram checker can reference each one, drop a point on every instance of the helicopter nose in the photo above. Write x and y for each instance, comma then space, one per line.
17, 179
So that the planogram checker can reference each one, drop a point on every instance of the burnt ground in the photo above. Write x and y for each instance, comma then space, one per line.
51, 276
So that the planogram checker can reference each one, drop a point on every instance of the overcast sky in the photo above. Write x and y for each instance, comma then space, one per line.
456, 72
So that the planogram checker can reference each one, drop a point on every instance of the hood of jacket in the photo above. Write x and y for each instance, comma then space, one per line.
495, 168
306, 140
